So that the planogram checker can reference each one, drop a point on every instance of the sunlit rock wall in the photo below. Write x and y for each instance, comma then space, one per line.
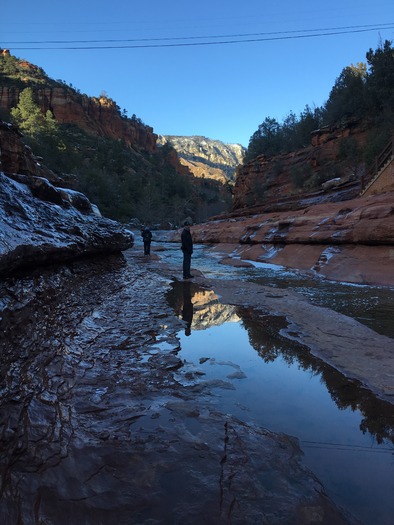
95, 115
351, 241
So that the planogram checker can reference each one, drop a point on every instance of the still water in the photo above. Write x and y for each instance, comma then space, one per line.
370, 305
346, 434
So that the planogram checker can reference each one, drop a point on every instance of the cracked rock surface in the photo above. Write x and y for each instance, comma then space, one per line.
97, 428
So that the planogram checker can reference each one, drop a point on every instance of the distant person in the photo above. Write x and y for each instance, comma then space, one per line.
146, 235
187, 248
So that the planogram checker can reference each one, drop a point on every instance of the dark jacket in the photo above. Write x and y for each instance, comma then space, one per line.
187, 241
146, 235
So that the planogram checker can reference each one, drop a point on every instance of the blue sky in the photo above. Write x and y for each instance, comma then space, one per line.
219, 90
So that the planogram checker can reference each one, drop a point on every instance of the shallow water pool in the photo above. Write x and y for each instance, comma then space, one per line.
346, 434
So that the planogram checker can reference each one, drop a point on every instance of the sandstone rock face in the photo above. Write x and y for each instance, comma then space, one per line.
201, 170
330, 231
277, 180
41, 223
99, 116
206, 157
351, 241
47, 228
15, 157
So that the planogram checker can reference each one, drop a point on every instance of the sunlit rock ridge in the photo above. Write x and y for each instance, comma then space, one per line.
206, 157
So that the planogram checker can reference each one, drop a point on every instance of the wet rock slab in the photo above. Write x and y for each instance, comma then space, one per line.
97, 425
41, 224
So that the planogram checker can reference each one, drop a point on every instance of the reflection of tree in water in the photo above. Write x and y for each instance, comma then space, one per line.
263, 330
265, 337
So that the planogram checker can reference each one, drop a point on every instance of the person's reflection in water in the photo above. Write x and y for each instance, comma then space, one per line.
187, 308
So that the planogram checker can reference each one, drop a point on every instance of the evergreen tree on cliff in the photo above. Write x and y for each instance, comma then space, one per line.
364, 91
28, 116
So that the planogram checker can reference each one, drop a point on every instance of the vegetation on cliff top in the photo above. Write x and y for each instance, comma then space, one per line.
364, 91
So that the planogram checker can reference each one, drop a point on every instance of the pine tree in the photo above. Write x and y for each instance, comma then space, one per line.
28, 116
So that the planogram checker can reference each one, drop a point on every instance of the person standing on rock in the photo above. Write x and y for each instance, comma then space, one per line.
187, 248
146, 235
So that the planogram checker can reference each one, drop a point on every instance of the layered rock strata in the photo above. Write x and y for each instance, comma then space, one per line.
351, 241
287, 179
95, 115
206, 158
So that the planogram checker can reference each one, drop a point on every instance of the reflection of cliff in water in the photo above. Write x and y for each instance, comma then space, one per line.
267, 335
199, 308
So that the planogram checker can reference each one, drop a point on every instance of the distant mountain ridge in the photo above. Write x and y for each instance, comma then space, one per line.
206, 157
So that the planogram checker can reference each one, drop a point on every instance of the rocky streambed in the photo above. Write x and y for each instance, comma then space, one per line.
96, 426
102, 422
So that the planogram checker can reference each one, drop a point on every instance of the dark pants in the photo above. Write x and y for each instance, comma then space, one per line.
187, 257
147, 247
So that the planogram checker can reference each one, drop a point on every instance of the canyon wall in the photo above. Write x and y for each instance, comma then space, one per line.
349, 241
299, 175
321, 225
42, 223
98, 116
95, 115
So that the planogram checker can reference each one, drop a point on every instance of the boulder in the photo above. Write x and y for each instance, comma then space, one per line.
40, 224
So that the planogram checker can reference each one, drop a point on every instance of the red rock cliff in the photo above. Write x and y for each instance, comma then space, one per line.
332, 231
98, 116
270, 180
15, 157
